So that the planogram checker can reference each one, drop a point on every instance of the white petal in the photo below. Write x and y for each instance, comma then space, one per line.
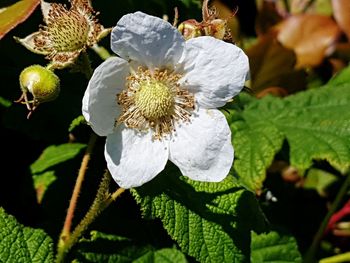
147, 39
100, 107
45, 9
133, 158
202, 149
214, 70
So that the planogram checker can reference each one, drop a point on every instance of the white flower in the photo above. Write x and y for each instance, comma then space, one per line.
158, 101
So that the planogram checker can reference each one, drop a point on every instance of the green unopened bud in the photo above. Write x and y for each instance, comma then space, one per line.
41, 83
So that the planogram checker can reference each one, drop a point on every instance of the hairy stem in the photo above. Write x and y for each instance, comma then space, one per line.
205, 11
102, 200
311, 253
76, 191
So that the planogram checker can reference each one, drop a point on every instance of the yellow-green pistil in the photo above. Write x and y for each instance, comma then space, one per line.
154, 100
69, 31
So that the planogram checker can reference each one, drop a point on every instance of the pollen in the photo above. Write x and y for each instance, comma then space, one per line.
154, 101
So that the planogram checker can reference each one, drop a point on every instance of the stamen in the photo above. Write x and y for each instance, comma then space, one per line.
154, 100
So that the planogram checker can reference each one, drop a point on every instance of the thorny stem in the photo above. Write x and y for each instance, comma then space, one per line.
311, 253
205, 11
65, 234
102, 200
176, 17
101, 51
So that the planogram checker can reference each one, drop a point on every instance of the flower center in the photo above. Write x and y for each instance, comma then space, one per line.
68, 30
154, 100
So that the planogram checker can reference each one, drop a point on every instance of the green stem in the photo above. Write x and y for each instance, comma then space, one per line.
85, 65
101, 51
102, 200
337, 259
311, 253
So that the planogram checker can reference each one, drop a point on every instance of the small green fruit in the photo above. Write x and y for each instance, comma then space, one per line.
43, 84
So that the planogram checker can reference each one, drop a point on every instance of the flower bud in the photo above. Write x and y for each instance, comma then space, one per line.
190, 29
42, 83
216, 28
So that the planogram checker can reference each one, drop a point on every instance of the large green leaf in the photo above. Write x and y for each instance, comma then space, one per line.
209, 221
102, 247
23, 244
274, 247
54, 155
315, 123
13, 15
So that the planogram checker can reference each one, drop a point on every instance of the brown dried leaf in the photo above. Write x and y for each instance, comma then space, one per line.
341, 51
271, 64
341, 12
309, 36
268, 16
11, 16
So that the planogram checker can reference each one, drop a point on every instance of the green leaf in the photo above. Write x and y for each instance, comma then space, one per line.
54, 155
43, 169
5, 103
319, 180
209, 221
163, 255
11, 16
274, 247
101, 247
315, 123
23, 244
42, 182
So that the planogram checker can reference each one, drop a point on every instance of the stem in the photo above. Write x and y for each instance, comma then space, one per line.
307, 6
286, 5
101, 51
337, 259
205, 10
102, 200
311, 253
73, 201
85, 65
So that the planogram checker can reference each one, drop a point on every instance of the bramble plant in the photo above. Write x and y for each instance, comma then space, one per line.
158, 139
